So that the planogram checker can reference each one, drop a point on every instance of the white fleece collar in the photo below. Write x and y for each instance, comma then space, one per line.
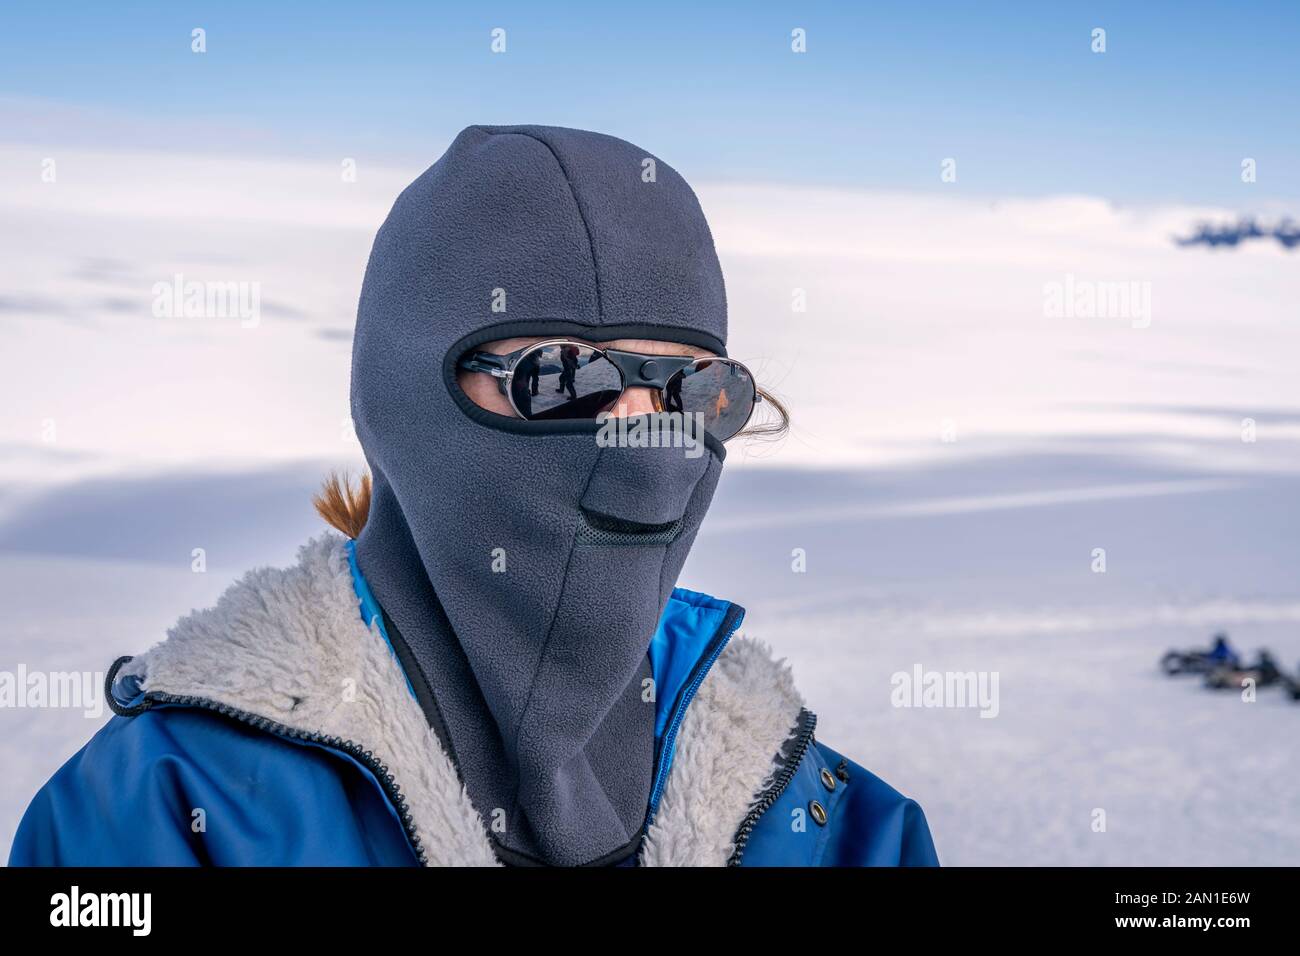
289, 645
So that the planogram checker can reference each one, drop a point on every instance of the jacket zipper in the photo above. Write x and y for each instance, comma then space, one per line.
354, 750
350, 747
807, 723
730, 624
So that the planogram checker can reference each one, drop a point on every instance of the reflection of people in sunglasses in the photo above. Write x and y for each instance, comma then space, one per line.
720, 403
525, 383
569, 369
494, 664
673, 394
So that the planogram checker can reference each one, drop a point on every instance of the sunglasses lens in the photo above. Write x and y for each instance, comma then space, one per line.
721, 390
564, 380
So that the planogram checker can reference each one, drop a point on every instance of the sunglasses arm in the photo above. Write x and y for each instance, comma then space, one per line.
494, 365
498, 366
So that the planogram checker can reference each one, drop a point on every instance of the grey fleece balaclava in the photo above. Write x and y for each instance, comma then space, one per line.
522, 567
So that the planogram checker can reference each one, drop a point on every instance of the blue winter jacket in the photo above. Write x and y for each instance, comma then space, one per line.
178, 781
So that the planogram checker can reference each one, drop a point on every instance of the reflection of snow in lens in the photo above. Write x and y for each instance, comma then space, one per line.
719, 390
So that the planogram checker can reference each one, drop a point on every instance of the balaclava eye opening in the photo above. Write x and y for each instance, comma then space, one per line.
522, 566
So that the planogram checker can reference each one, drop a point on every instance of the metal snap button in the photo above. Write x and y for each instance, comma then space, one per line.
828, 781
649, 370
818, 813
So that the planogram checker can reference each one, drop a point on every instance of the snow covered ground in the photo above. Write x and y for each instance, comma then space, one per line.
992, 576
978, 564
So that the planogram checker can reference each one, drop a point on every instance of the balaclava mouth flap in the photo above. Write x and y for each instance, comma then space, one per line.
522, 567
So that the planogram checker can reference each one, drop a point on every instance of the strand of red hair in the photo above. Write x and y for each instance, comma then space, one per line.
343, 503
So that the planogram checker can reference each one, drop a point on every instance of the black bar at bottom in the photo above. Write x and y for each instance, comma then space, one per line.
210, 906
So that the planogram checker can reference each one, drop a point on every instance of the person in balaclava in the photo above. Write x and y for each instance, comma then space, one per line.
498, 644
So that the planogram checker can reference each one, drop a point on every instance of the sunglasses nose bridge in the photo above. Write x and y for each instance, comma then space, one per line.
646, 371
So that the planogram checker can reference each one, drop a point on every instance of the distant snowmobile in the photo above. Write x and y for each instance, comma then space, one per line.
1221, 655
1264, 672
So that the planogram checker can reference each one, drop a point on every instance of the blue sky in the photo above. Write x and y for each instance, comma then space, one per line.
884, 93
